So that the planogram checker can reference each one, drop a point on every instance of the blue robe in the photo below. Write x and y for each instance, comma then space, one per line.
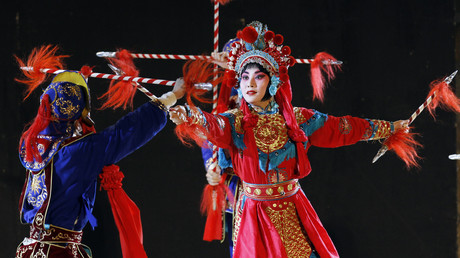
77, 165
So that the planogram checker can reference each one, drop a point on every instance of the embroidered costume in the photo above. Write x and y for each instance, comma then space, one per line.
64, 156
268, 149
273, 211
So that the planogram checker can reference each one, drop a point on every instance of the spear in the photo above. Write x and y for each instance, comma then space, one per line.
205, 86
425, 104
106, 54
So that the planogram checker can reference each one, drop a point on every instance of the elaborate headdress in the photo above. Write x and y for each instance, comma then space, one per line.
259, 45
65, 100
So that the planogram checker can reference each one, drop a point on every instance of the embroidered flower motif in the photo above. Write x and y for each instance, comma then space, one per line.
344, 126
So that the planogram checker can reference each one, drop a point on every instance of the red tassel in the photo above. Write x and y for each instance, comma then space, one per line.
199, 71
317, 69
443, 97
30, 137
121, 93
213, 204
190, 133
404, 145
125, 213
43, 57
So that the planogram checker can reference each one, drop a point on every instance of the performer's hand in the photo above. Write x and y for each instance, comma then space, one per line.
213, 177
178, 114
220, 59
179, 88
401, 124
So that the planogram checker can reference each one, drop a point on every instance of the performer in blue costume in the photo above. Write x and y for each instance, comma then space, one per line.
63, 156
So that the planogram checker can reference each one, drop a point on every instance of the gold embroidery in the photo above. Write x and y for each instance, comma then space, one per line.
269, 191
236, 112
379, 129
299, 116
38, 192
237, 222
70, 89
257, 191
67, 108
289, 229
270, 132
345, 126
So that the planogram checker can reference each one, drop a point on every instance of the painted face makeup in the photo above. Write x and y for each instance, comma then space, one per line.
253, 85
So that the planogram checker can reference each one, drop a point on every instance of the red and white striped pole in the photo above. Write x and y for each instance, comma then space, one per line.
196, 57
110, 76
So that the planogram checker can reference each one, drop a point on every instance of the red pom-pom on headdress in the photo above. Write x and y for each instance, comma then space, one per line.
278, 39
317, 69
269, 35
286, 50
249, 34
39, 58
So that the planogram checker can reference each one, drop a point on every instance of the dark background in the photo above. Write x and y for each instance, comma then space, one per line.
391, 50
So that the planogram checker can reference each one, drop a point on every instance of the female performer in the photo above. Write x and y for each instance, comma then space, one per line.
268, 141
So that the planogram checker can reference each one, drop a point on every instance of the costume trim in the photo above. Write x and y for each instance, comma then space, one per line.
271, 192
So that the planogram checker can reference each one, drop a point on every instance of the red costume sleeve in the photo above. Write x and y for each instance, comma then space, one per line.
340, 131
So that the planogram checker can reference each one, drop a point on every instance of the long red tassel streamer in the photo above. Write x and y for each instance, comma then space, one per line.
30, 137
125, 212
213, 204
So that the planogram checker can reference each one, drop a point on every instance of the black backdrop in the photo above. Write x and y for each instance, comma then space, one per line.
391, 50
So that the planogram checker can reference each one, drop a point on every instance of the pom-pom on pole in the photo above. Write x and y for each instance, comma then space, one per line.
196, 72
39, 58
443, 96
322, 64
121, 93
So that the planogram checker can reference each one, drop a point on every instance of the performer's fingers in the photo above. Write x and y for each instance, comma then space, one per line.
177, 115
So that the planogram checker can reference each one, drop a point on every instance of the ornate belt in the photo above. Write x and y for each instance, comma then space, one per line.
56, 235
268, 192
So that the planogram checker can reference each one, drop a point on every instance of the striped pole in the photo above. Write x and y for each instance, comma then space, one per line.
214, 98
196, 57
202, 86
109, 76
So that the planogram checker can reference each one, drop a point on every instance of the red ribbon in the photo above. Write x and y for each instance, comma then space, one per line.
125, 212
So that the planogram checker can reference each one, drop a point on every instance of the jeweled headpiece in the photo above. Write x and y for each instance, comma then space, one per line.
259, 45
